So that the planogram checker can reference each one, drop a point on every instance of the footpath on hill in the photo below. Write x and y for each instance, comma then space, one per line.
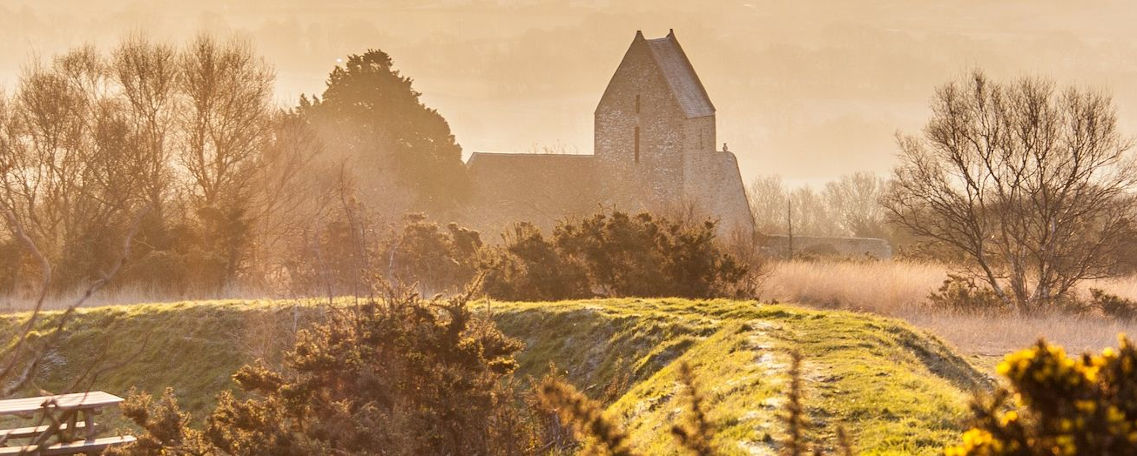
895, 389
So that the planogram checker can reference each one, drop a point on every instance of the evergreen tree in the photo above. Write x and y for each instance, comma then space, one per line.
370, 114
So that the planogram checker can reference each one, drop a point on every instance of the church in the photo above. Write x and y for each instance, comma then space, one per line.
655, 150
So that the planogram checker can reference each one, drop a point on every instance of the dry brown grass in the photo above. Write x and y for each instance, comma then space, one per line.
884, 287
900, 289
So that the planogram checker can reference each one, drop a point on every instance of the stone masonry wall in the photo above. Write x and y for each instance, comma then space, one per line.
714, 187
700, 135
840, 247
661, 128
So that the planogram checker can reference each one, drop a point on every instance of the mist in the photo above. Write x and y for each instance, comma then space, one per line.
807, 90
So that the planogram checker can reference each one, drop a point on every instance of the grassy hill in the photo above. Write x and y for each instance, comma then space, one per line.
896, 389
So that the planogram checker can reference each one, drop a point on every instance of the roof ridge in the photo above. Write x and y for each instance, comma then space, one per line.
695, 105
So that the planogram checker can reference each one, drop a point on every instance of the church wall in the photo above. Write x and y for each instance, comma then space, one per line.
661, 129
700, 134
679, 171
714, 189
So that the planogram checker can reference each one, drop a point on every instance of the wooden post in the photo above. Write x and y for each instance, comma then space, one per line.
89, 422
790, 225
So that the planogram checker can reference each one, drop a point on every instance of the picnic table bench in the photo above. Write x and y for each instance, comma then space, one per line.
68, 419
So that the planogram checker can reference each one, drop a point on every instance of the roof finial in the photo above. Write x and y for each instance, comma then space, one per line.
671, 32
639, 34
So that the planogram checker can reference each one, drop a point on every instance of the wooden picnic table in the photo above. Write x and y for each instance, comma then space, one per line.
59, 417
74, 401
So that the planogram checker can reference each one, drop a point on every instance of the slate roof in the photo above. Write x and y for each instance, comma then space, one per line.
532, 187
526, 165
681, 77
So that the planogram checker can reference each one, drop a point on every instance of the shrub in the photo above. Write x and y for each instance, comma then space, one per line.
616, 255
165, 427
1056, 404
440, 259
527, 267
1112, 305
397, 376
962, 295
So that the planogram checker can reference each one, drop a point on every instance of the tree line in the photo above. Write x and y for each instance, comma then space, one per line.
848, 206
183, 147
180, 148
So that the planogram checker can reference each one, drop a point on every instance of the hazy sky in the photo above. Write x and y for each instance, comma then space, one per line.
806, 89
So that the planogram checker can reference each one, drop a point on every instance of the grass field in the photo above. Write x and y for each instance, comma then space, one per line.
897, 389
899, 289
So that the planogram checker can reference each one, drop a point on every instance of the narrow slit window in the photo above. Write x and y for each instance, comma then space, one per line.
637, 147
637, 104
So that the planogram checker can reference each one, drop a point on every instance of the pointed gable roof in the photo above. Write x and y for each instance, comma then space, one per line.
680, 76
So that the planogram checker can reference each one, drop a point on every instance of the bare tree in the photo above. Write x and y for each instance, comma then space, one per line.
811, 214
854, 204
70, 163
147, 75
768, 198
225, 127
1032, 185
293, 189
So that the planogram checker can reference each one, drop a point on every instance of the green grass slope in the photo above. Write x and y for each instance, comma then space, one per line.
895, 389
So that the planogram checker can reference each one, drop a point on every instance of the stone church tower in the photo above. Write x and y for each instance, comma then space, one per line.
656, 123
654, 150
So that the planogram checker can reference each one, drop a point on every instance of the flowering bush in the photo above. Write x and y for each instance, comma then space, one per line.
1058, 405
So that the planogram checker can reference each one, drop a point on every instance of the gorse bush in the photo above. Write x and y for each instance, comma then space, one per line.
440, 259
1112, 305
1058, 405
963, 295
606, 254
396, 376
527, 267
615, 255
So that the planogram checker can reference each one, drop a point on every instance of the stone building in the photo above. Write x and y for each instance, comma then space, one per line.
654, 150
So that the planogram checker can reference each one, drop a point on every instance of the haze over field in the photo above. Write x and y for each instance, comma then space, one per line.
809, 90
280, 227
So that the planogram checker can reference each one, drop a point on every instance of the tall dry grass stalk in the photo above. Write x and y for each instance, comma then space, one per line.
884, 287
900, 289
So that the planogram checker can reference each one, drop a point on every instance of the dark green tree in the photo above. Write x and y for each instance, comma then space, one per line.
371, 114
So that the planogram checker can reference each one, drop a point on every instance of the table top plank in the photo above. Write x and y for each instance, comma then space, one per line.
88, 400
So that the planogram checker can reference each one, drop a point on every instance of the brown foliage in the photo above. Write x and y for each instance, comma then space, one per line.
395, 376
527, 267
695, 432
586, 416
616, 254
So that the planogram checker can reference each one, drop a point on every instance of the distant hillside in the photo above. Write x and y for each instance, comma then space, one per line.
896, 389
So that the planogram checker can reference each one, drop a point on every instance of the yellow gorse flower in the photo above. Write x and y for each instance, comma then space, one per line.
1061, 405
